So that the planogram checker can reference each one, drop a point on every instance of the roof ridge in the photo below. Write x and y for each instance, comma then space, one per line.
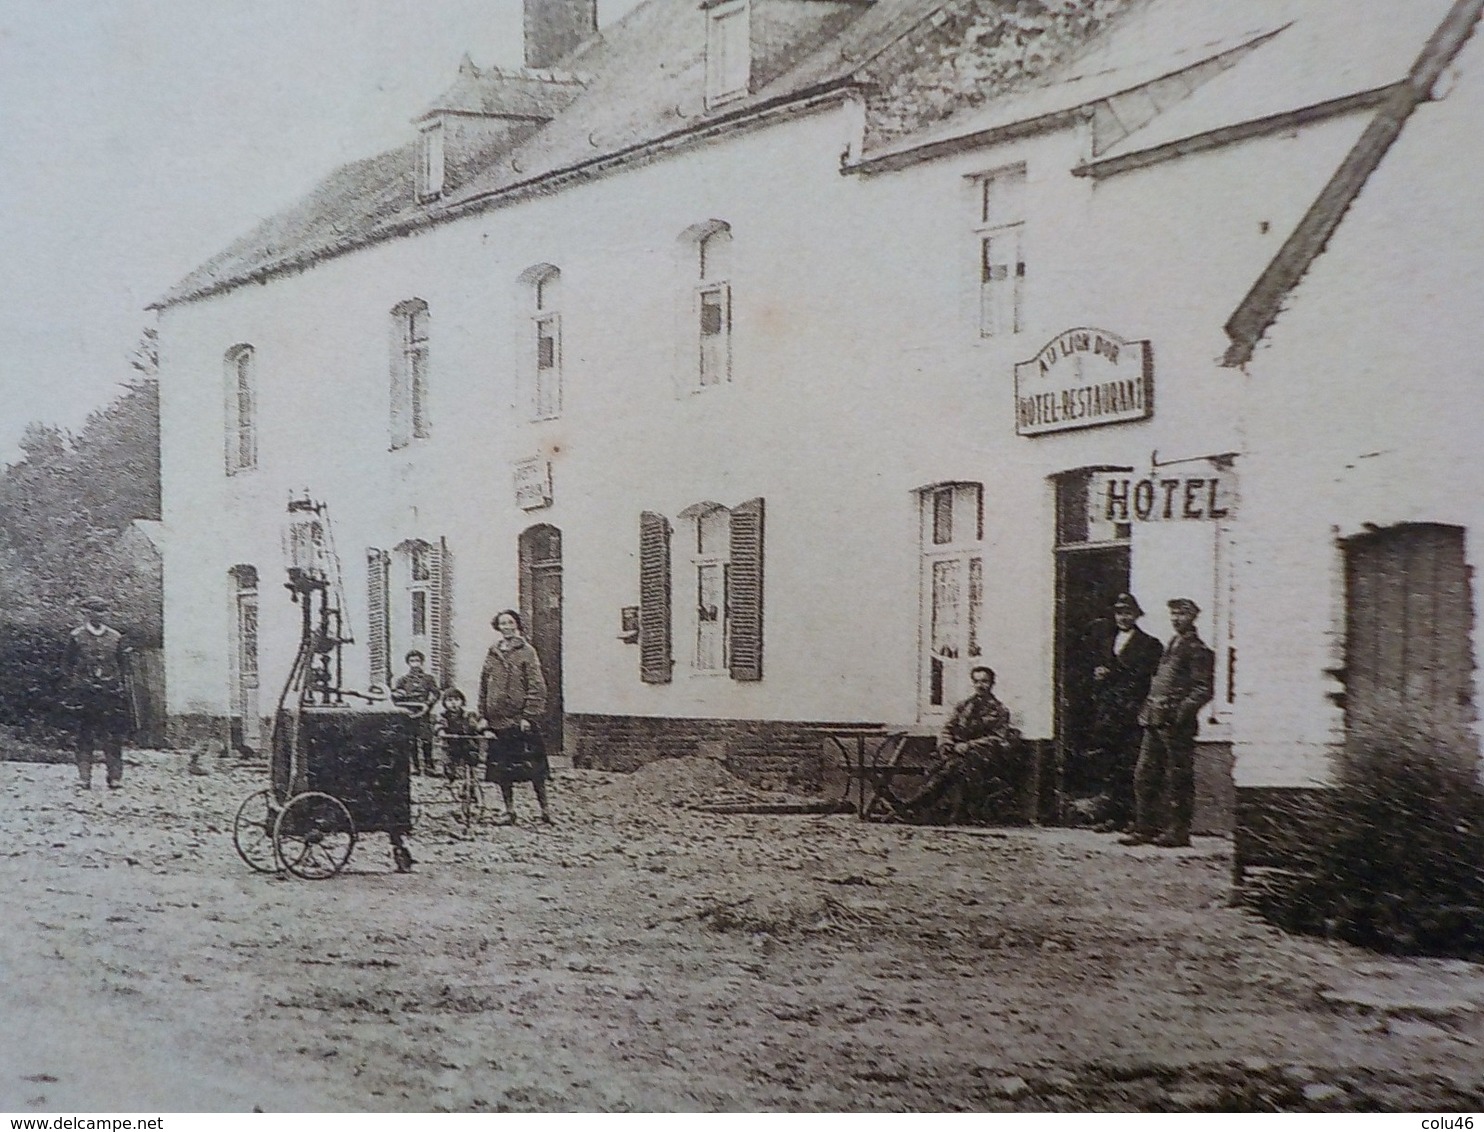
1260, 307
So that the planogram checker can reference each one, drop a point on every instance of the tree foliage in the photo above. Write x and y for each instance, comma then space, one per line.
67, 507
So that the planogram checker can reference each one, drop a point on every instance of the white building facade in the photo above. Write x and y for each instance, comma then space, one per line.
768, 415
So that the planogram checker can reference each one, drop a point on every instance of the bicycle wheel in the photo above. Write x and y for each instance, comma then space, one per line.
314, 835
468, 800
252, 831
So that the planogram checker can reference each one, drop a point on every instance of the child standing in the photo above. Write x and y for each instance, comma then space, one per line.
417, 692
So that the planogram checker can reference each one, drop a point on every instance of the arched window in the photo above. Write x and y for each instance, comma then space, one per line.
717, 599
240, 390
409, 373
542, 285
710, 526
714, 306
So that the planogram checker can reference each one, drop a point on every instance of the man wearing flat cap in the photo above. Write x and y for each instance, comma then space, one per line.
96, 669
1164, 779
1121, 660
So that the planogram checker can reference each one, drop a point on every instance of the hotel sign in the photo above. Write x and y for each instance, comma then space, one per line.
1126, 497
1081, 379
532, 484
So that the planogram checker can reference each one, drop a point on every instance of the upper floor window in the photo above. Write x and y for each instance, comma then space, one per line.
728, 51
240, 388
545, 340
714, 307
430, 161
409, 376
999, 230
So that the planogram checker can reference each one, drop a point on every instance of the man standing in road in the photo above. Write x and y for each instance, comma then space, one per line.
96, 669
1122, 659
1164, 779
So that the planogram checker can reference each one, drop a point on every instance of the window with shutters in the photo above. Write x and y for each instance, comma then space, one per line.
713, 304
240, 390
999, 231
721, 604
952, 541
728, 51
410, 418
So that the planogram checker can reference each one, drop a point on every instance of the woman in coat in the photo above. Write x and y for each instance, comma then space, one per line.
512, 699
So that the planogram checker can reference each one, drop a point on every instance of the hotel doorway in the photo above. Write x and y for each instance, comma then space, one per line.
1093, 559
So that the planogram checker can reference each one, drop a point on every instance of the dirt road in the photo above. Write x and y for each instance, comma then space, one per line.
640, 955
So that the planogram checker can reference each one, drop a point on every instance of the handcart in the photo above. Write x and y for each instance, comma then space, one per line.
338, 760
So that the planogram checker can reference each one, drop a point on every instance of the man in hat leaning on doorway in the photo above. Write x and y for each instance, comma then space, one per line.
96, 669
1164, 779
1122, 660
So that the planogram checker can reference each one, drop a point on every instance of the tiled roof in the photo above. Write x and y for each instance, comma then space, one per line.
643, 84
507, 94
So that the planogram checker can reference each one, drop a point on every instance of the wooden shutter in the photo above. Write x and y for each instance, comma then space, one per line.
745, 591
655, 660
377, 568
401, 377
440, 612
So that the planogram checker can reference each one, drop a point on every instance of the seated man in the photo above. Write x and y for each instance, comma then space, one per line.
978, 756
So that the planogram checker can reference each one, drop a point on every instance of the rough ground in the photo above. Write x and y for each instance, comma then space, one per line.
640, 955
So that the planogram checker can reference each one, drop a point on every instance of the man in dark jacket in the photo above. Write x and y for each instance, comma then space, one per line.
1164, 780
1121, 660
95, 665
978, 757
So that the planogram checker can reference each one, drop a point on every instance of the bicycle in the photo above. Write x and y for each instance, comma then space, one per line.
464, 761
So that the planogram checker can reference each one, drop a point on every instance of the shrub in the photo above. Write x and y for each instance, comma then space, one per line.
1403, 868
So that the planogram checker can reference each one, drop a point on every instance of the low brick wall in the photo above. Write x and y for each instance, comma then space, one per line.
1280, 827
775, 754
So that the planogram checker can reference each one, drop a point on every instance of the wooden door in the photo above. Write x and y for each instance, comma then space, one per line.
1408, 661
541, 608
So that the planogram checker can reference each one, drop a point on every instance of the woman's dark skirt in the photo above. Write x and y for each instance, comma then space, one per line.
516, 756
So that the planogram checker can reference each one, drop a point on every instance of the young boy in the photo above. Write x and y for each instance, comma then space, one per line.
417, 692
459, 729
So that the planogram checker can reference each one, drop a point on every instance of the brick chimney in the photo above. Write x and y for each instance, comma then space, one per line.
554, 28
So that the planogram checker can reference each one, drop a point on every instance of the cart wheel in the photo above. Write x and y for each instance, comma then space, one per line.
252, 832
402, 857
314, 835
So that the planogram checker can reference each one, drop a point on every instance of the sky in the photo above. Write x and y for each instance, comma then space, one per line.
140, 137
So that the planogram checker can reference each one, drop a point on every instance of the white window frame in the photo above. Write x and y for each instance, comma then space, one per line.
430, 161
709, 625
728, 51
1000, 274
546, 316
414, 587
713, 292
412, 338
240, 380
951, 537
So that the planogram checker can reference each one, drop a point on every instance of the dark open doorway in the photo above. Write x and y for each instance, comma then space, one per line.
1092, 569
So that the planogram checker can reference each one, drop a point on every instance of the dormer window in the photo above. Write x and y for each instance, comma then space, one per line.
728, 51
430, 161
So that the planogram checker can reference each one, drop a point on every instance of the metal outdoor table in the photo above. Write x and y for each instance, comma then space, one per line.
871, 753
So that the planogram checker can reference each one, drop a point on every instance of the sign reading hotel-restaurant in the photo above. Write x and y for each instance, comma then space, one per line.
1081, 379
532, 484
